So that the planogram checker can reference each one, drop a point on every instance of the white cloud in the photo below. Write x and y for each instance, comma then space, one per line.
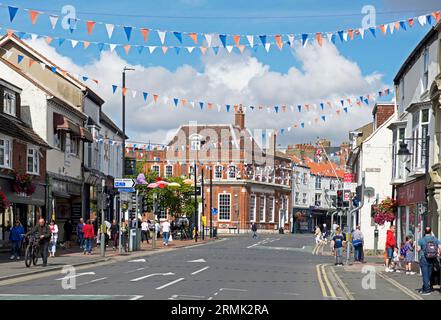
229, 79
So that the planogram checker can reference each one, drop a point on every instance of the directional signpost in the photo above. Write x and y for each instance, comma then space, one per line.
124, 183
125, 187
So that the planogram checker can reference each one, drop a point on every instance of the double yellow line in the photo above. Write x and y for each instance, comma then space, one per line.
324, 282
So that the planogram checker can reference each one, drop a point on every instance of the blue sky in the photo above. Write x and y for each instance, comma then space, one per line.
382, 55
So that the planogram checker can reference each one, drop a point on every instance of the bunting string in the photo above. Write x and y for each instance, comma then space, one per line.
225, 39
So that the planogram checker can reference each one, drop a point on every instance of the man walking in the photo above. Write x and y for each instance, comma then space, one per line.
391, 243
254, 229
44, 233
428, 248
80, 234
357, 242
114, 234
165, 232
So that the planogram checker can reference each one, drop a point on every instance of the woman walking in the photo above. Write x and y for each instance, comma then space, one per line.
54, 237
318, 240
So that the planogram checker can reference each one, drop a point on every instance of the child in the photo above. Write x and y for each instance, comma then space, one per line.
337, 243
409, 256
396, 264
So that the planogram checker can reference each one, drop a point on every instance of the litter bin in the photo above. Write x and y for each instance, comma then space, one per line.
214, 232
280, 230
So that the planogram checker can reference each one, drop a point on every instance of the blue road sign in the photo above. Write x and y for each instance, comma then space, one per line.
126, 190
214, 210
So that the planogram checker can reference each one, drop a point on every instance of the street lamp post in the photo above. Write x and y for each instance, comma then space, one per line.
211, 202
103, 239
124, 117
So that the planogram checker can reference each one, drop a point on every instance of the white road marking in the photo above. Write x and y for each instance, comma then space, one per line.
92, 281
252, 245
176, 296
196, 272
210, 298
137, 260
232, 289
169, 284
152, 275
139, 269
136, 298
77, 275
198, 260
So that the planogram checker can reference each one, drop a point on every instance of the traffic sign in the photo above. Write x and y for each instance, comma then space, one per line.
124, 183
129, 190
214, 210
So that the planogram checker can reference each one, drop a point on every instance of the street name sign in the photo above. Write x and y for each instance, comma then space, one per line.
128, 190
124, 183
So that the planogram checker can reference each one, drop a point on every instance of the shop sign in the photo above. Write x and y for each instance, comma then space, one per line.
411, 193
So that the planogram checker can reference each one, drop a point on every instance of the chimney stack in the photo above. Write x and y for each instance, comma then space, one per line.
382, 112
239, 118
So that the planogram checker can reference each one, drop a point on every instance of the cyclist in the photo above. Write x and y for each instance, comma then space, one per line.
43, 232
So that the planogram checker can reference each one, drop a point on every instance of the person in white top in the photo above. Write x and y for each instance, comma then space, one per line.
54, 237
144, 231
165, 232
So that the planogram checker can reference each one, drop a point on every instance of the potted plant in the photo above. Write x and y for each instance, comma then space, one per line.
385, 211
23, 184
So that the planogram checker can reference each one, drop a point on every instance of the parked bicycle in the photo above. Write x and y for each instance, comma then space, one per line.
32, 250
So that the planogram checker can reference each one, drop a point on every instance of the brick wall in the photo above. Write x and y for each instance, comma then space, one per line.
382, 112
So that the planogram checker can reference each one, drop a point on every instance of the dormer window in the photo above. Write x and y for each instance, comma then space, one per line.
9, 102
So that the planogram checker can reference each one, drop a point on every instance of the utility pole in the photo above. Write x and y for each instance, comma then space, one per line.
155, 206
211, 202
119, 223
203, 203
103, 238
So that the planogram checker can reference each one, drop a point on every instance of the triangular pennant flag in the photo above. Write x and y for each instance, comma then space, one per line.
329, 36
322, 106
422, 20
208, 38
215, 49
61, 41
152, 48
223, 39
34, 36
267, 46
90, 25
201, 104
86, 44
361, 30
127, 48
345, 36
304, 39
383, 28
134, 92
85, 78
250, 39
229, 49
263, 39
161, 35
276, 108
128, 32
54, 69
183, 102
145, 33
324, 118
192, 104
33, 15
340, 34
291, 39
372, 30
53, 20
190, 49
279, 42
124, 91
302, 124
175, 100
345, 109
351, 34
193, 37
12, 12
436, 15
164, 49
48, 40
403, 25
145, 95
178, 36
109, 29
43, 65
410, 22
74, 43
429, 19
242, 48
318, 37
114, 88
155, 98
19, 58
177, 49
228, 107
236, 39
31, 62
112, 46
299, 107
203, 49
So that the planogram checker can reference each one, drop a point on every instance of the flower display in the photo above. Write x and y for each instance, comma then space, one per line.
23, 184
3, 201
299, 216
385, 211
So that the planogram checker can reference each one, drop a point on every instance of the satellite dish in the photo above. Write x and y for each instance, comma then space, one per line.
369, 192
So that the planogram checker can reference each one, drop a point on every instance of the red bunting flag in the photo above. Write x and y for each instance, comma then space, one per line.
183, 102
203, 49
33, 15
90, 25
410, 22
236, 39
338, 112
10, 33
31, 62
124, 91
48, 40
383, 28
145, 33
86, 44
436, 15
194, 37
278, 38
155, 98
235, 107
242, 48
127, 48
164, 49
318, 37
210, 106
397, 25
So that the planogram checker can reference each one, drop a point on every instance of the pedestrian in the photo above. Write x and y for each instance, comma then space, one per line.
16, 237
337, 243
358, 242
391, 243
54, 238
254, 229
114, 234
165, 232
80, 234
325, 231
409, 255
43, 231
196, 233
396, 260
125, 235
67, 228
145, 231
89, 234
157, 230
428, 248
318, 240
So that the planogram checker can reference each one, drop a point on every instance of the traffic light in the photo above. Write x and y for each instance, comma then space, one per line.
143, 204
108, 201
339, 198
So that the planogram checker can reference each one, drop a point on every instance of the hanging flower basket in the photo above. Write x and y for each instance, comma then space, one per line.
23, 184
299, 216
385, 211
3, 201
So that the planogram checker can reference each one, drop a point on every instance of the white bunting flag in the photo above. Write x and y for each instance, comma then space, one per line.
361, 30
43, 65
385, 28
208, 38
74, 43
152, 48
250, 39
8, 54
134, 93
229, 48
291, 39
345, 36
392, 27
218, 110
33, 36
267, 46
53, 20
109, 29
329, 35
190, 49
422, 20
161, 35
112, 46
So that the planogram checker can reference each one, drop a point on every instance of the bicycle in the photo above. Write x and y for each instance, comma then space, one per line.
32, 250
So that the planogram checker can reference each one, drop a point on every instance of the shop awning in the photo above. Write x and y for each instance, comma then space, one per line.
62, 123
85, 135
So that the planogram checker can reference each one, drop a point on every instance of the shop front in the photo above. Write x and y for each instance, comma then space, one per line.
300, 220
412, 215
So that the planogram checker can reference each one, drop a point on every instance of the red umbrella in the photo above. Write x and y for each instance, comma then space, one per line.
162, 184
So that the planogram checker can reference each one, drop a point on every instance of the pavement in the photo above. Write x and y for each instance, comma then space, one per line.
236, 267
